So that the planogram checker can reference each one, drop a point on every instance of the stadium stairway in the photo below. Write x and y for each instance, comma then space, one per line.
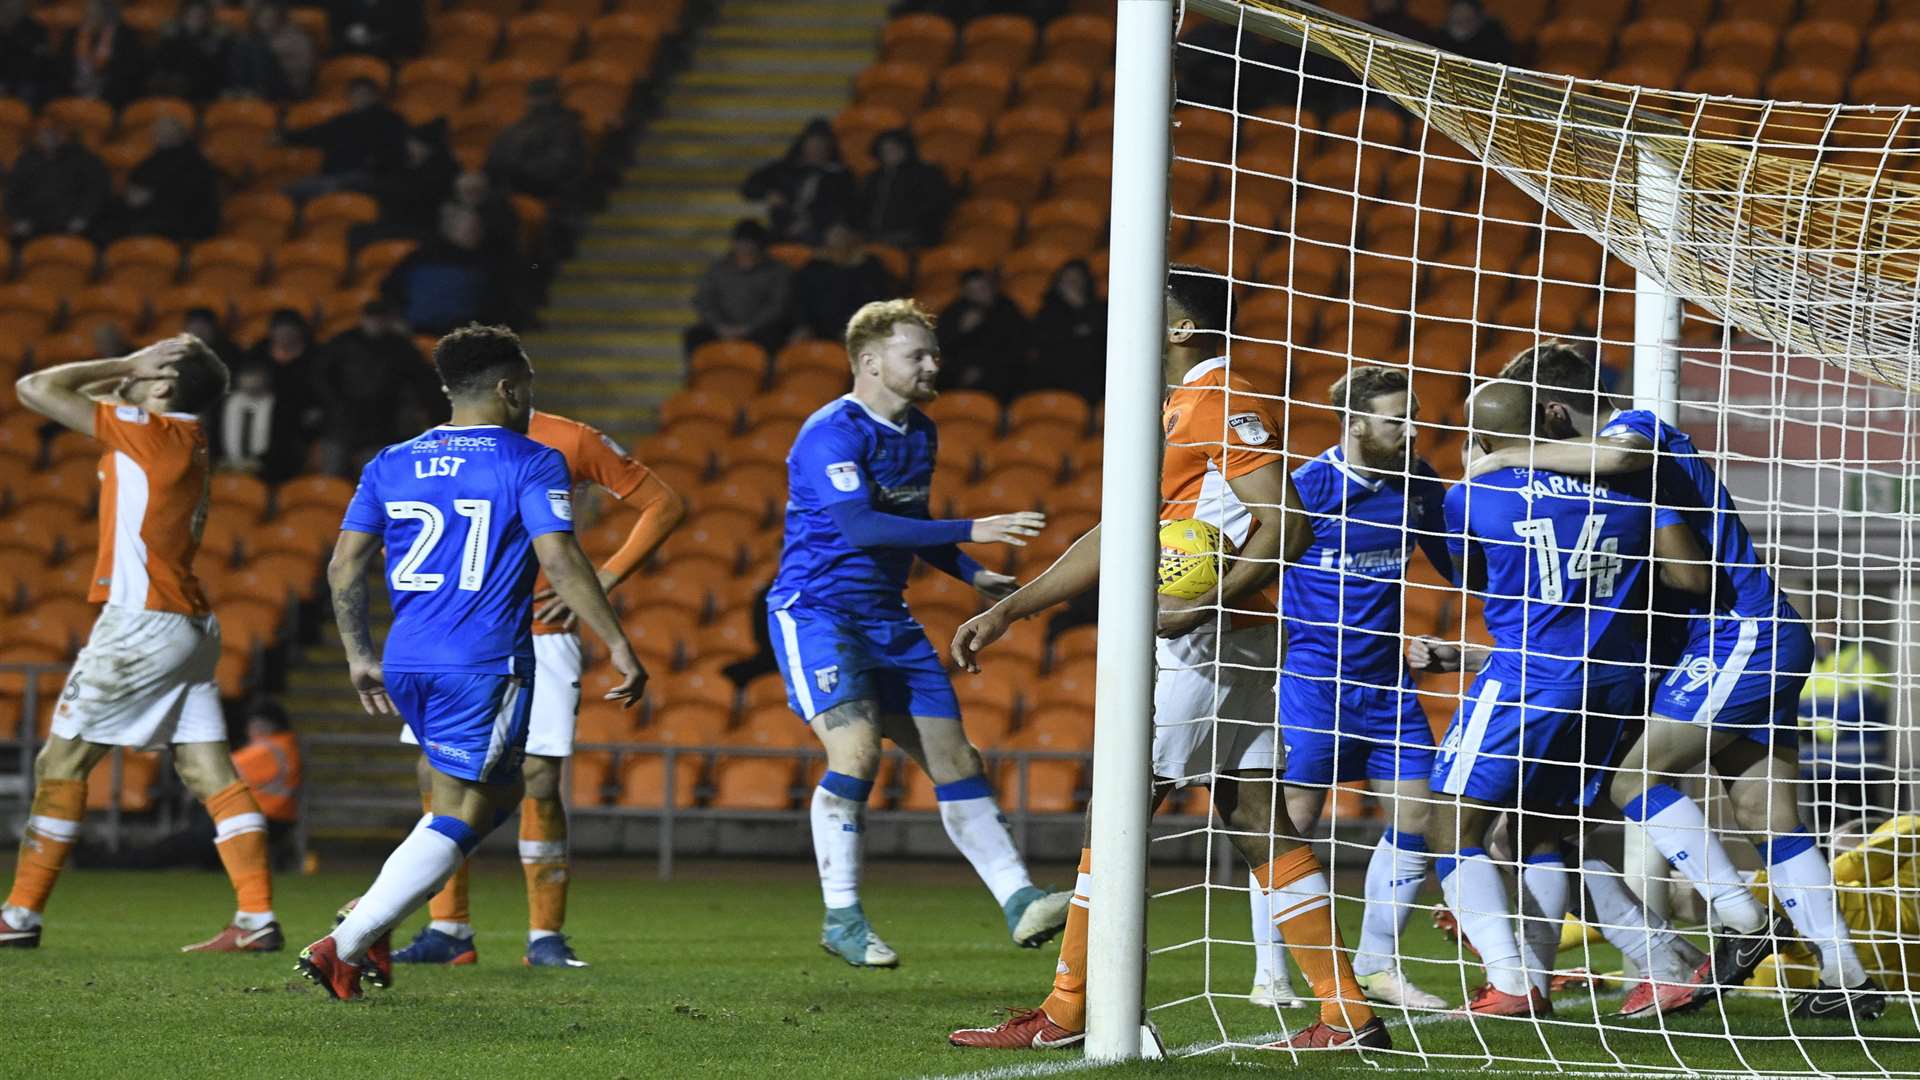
609, 345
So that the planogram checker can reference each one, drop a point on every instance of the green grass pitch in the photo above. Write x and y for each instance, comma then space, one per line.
718, 975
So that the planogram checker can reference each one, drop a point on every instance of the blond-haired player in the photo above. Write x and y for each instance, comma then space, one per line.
592, 458
145, 679
1223, 464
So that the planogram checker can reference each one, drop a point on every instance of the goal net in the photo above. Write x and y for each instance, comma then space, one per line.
1747, 270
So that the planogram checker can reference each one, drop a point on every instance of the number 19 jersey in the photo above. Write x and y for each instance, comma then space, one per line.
458, 508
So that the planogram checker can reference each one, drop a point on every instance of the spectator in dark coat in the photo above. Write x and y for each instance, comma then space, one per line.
905, 201
807, 190
983, 338
1069, 337
288, 355
839, 278
359, 147
102, 57
191, 59
499, 222
390, 29
410, 198
57, 185
448, 282
544, 153
247, 432
24, 53
174, 192
1471, 32
375, 388
746, 295
205, 325
273, 60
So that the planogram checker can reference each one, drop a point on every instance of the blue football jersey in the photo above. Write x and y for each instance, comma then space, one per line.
1566, 572
844, 453
1342, 601
458, 508
1682, 479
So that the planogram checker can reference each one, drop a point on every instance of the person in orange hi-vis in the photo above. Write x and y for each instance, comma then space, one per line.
146, 676
270, 765
448, 938
1224, 464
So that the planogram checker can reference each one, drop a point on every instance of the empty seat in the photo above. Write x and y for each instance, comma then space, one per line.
895, 86
923, 40
1006, 40
330, 216
1083, 39
432, 86
467, 37
1828, 44
58, 262
546, 38
976, 86
623, 38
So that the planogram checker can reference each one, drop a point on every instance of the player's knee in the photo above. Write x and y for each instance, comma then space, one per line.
1626, 787
60, 759
542, 776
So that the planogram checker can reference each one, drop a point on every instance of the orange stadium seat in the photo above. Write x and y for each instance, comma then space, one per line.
1885, 86
1658, 41
949, 137
139, 771
1814, 84
1006, 40
99, 305
27, 310
88, 118
1083, 176
592, 774
330, 493
623, 38
1748, 44
753, 783
1036, 131
330, 216
1202, 134
432, 85
463, 36
229, 264
544, 38
643, 781
922, 40
1093, 131
1575, 44
1015, 177
336, 73
256, 305
63, 263
743, 356
1084, 40
599, 90
894, 86
16, 122
976, 86
603, 721
147, 263
314, 266
1825, 43
249, 623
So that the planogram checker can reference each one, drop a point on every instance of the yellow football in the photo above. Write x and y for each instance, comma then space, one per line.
1189, 556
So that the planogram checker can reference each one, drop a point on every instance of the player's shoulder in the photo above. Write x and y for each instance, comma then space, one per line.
837, 420
1644, 423
559, 432
166, 426
1317, 475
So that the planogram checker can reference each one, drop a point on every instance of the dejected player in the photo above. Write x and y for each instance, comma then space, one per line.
468, 513
591, 457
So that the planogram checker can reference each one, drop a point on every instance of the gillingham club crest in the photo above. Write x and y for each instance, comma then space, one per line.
827, 678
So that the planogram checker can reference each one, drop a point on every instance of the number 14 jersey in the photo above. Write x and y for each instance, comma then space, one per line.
458, 508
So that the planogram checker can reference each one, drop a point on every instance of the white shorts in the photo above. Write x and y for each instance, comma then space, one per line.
144, 680
1210, 718
557, 663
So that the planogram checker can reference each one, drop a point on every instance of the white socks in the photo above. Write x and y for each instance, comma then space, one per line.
1803, 883
975, 825
463, 931
415, 871
1394, 874
1642, 935
1545, 885
252, 920
1677, 827
19, 918
1269, 960
839, 816
1477, 896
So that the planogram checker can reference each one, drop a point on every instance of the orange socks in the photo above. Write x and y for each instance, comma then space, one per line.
1301, 899
240, 835
53, 825
543, 855
1067, 1005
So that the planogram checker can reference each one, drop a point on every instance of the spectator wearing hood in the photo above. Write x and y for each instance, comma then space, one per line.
1069, 337
292, 363
57, 185
274, 59
174, 192
839, 278
359, 147
24, 53
376, 389
191, 59
905, 201
806, 190
746, 295
410, 196
448, 281
1470, 31
544, 153
102, 57
983, 338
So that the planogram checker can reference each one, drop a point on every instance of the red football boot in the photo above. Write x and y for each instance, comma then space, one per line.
233, 939
320, 962
1371, 1035
1025, 1029
1651, 998
1488, 1001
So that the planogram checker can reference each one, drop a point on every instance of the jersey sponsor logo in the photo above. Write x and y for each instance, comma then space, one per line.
438, 466
453, 752
561, 500
1367, 562
912, 495
1248, 428
132, 414
845, 476
827, 678
446, 441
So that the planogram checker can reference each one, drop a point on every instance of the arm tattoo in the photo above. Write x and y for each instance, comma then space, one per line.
350, 612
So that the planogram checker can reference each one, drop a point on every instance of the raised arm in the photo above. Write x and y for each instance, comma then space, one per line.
347, 579
575, 583
1070, 575
1682, 563
66, 393
1602, 455
1283, 534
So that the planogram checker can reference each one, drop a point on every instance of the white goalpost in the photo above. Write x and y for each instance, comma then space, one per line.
1748, 271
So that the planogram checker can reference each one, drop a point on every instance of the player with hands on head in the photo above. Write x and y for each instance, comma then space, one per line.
858, 668
467, 512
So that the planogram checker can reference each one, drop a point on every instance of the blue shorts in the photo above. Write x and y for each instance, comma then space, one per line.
473, 727
1744, 674
1337, 731
829, 658
1545, 751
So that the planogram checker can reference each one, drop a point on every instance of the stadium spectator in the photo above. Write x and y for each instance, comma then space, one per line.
1069, 337
204, 324
807, 189
1392, 16
905, 201
1471, 32
375, 388
410, 197
110, 339
448, 281
745, 295
983, 338
269, 764
245, 433
102, 57
544, 153
24, 53
191, 59
833, 284
288, 353
174, 192
274, 59
57, 185
358, 147
499, 223
390, 29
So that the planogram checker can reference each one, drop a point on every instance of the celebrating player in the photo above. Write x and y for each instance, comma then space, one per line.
1348, 710
145, 678
448, 939
1732, 700
1222, 465
858, 667
1559, 566
464, 511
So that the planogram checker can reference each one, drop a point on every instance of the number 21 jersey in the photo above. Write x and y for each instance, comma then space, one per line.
458, 508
